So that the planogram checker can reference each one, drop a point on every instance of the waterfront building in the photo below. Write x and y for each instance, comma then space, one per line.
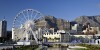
59, 36
81, 38
97, 39
77, 27
91, 30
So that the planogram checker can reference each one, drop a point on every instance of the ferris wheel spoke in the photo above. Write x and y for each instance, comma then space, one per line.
19, 22
38, 17
22, 20
24, 16
17, 26
27, 15
35, 15
31, 15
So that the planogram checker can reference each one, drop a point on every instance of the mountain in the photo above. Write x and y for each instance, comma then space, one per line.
52, 22
93, 20
58, 23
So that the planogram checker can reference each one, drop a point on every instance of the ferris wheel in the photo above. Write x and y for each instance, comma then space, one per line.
26, 20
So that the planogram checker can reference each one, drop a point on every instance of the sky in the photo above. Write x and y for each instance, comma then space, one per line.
65, 9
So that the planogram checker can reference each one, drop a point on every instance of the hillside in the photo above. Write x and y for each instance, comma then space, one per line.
52, 22
57, 23
93, 20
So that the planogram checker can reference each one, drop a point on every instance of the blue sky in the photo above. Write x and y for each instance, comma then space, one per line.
65, 9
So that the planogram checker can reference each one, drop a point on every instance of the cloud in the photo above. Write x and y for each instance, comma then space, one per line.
98, 5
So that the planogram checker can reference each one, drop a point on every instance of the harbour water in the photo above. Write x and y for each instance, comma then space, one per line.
56, 48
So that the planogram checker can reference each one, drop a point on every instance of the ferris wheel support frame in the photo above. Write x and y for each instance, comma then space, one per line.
28, 21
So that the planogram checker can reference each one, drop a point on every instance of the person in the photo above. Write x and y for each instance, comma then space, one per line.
67, 46
98, 41
13, 47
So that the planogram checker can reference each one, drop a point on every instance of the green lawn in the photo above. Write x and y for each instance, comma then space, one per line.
79, 49
90, 47
27, 48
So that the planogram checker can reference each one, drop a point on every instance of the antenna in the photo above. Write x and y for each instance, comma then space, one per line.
4, 18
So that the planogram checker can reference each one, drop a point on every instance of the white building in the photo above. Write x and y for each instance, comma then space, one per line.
91, 30
82, 38
97, 40
77, 27
59, 36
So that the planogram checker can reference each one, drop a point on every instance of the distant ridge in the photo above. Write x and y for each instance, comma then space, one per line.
56, 23
93, 20
62, 24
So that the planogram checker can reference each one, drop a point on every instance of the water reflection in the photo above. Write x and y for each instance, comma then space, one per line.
56, 48
63, 48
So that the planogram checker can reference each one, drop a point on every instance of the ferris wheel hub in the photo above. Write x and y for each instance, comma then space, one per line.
29, 24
